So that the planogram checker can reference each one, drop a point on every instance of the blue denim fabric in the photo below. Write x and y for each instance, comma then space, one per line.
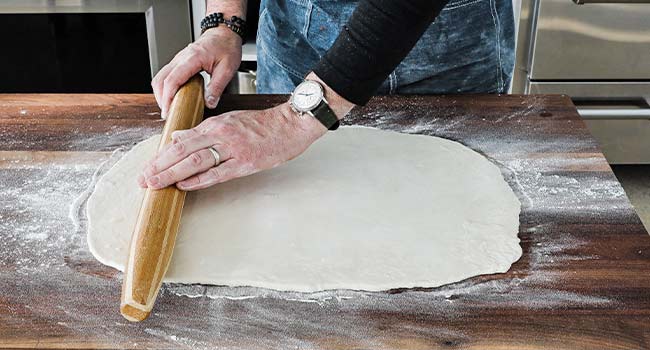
468, 49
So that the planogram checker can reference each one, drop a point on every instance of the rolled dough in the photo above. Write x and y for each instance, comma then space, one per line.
362, 209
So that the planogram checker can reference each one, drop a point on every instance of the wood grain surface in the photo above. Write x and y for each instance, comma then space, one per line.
154, 235
583, 281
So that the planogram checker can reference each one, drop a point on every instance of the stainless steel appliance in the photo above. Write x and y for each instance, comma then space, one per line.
597, 52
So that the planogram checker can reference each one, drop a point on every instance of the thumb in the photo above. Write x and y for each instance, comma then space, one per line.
219, 79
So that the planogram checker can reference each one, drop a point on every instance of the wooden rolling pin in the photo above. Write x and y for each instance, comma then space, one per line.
155, 231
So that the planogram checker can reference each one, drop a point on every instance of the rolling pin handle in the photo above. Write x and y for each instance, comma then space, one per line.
154, 235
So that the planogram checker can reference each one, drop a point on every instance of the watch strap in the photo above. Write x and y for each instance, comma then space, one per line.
326, 116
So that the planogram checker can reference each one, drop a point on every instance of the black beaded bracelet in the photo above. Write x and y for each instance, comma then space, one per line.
236, 24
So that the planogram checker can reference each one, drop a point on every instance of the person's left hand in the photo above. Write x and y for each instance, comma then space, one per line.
247, 142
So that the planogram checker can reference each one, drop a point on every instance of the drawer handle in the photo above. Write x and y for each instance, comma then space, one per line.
582, 2
588, 113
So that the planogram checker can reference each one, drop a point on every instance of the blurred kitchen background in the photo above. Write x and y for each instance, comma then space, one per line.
596, 51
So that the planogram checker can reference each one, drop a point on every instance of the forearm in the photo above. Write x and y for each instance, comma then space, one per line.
375, 40
227, 7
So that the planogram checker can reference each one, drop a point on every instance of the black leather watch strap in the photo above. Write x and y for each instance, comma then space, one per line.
326, 116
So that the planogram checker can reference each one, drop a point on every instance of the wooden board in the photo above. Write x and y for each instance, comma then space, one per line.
583, 281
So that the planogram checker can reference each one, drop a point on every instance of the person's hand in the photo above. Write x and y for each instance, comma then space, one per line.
247, 142
217, 51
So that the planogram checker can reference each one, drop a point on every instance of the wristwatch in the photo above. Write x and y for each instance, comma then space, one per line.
309, 97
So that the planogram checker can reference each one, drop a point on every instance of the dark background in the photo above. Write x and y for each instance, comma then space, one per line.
74, 52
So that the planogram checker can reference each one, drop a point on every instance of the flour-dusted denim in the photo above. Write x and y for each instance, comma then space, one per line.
468, 49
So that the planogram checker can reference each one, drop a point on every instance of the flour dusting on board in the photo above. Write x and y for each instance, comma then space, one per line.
44, 189
42, 220
43, 195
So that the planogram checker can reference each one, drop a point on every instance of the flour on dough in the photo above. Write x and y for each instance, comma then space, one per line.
362, 209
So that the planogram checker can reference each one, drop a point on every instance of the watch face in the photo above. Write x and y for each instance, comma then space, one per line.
307, 96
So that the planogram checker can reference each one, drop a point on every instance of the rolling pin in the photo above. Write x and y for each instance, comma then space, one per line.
154, 236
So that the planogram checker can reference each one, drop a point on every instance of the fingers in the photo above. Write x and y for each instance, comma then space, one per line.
176, 152
157, 82
142, 180
195, 163
181, 135
152, 167
186, 64
219, 79
223, 172
178, 75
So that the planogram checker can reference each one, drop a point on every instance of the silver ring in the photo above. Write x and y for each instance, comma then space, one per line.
216, 155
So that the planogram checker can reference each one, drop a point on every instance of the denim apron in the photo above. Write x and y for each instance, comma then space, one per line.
469, 48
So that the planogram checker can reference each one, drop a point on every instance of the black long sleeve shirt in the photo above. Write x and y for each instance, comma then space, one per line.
379, 34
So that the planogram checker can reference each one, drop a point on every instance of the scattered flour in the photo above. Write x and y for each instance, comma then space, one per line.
42, 224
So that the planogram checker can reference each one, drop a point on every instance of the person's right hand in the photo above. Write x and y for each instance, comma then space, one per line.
217, 51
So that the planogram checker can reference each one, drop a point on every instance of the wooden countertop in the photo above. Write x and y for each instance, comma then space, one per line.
583, 281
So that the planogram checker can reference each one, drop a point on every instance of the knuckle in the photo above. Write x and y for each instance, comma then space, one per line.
195, 48
168, 176
225, 128
190, 60
210, 123
170, 80
178, 148
177, 138
151, 168
196, 158
191, 182
214, 174
157, 78
190, 49
195, 52
209, 132
192, 132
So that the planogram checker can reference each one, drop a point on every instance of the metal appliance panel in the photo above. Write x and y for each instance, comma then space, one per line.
593, 89
623, 141
594, 41
622, 128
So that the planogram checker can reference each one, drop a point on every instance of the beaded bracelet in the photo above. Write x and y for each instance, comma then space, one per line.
235, 23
